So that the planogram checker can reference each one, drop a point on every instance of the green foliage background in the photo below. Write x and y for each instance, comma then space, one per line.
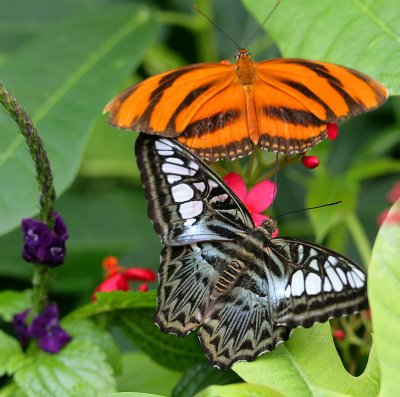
65, 60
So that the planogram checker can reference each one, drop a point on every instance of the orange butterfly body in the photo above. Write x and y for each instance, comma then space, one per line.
221, 110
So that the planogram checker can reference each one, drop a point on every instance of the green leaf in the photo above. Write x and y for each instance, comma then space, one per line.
64, 78
372, 169
358, 34
305, 365
13, 302
11, 390
325, 188
239, 390
146, 372
79, 369
168, 350
200, 376
131, 394
11, 355
108, 302
384, 298
87, 330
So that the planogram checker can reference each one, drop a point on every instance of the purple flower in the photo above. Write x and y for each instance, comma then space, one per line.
46, 328
43, 245
21, 327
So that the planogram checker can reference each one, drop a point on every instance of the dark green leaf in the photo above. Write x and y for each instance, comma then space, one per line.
240, 390
200, 376
168, 350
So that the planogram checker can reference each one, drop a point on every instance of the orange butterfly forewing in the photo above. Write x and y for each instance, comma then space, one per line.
220, 110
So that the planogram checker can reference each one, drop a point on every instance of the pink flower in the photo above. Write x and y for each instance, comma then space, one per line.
256, 200
392, 196
117, 277
394, 193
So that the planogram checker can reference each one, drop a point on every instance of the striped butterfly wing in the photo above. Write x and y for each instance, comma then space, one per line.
318, 284
238, 325
223, 111
187, 202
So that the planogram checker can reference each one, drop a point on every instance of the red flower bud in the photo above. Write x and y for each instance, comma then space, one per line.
332, 130
339, 334
310, 161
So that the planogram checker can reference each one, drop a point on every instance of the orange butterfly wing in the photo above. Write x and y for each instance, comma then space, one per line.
221, 110
296, 98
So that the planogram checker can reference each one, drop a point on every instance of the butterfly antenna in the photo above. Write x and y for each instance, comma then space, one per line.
310, 208
263, 23
197, 8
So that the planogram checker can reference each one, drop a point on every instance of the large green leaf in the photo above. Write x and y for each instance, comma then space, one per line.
359, 33
13, 302
146, 372
64, 78
239, 390
79, 369
384, 298
305, 365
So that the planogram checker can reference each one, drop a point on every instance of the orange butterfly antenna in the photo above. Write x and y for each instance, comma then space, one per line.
197, 8
277, 2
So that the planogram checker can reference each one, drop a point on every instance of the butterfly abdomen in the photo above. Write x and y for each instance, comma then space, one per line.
227, 279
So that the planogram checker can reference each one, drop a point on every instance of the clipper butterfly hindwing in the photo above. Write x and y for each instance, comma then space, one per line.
243, 290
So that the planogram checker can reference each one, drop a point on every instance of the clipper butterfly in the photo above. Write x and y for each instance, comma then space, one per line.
243, 290
219, 110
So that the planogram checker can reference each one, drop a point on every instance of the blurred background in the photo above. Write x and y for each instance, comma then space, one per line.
65, 60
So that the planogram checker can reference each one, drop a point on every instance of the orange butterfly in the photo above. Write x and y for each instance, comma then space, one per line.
221, 110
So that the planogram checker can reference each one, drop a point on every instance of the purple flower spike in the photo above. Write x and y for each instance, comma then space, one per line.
46, 328
21, 328
43, 245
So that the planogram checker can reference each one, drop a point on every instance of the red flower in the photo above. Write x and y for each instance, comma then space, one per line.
256, 200
117, 277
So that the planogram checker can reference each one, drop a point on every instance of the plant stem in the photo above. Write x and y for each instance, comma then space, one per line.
45, 180
359, 236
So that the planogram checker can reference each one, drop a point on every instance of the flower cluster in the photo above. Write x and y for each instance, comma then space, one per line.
117, 277
45, 328
43, 245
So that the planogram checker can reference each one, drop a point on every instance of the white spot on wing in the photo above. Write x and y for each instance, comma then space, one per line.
313, 252
169, 168
221, 198
359, 273
200, 186
160, 145
212, 184
173, 178
182, 192
300, 253
313, 284
332, 260
334, 278
189, 222
175, 160
191, 209
341, 274
314, 265
351, 279
288, 291
165, 152
297, 283
327, 285
357, 281
194, 166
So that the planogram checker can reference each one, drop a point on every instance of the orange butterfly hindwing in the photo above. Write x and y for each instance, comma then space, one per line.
220, 110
